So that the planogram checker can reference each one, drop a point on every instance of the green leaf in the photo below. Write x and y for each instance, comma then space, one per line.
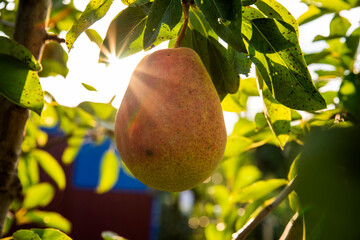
198, 22
257, 190
352, 41
242, 63
28, 143
337, 50
50, 234
69, 154
243, 127
276, 52
329, 96
9, 221
74, 144
249, 13
323, 74
28, 171
95, 10
273, 9
26, 235
84, 119
248, 2
74, 121
245, 176
135, 3
334, 59
51, 166
109, 171
102, 111
349, 94
36, 136
237, 102
128, 2
295, 115
211, 233
38, 195
49, 219
214, 57
88, 87
260, 120
236, 145
250, 209
225, 18
249, 87
333, 5
125, 34
163, 23
234, 102
231, 166
18, 51
20, 85
350, 49
54, 60
311, 14
294, 168
221, 194
277, 115
108, 235
49, 117
353, 3
338, 28
294, 202
94, 37
316, 57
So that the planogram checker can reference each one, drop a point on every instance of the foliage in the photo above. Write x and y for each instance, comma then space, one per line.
260, 152
20, 83
39, 234
333, 192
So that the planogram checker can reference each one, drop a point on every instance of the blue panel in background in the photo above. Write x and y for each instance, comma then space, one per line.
53, 131
86, 173
87, 168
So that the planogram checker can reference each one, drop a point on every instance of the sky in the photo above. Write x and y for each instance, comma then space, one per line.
112, 80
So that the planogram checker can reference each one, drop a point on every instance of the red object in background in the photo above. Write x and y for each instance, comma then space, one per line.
126, 213
90, 214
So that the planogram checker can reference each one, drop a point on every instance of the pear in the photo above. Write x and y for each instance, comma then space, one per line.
169, 129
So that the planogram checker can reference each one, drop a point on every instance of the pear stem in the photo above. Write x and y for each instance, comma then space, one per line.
185, 6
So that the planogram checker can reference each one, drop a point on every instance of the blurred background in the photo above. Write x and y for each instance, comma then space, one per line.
74, 179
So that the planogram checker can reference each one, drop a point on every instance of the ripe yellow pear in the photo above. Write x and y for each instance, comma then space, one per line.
170, 129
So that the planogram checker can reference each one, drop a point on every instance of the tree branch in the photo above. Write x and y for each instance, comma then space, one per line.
185, 6
31, 22
252, 223
12, 122
30, 31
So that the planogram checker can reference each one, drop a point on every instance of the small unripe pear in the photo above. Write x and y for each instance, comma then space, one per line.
170, 129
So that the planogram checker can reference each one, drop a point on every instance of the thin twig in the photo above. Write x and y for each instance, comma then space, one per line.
185, 5
54, 37
252, 223
293, 229
7, 23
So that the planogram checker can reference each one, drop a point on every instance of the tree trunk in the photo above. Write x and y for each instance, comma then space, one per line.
30, 31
